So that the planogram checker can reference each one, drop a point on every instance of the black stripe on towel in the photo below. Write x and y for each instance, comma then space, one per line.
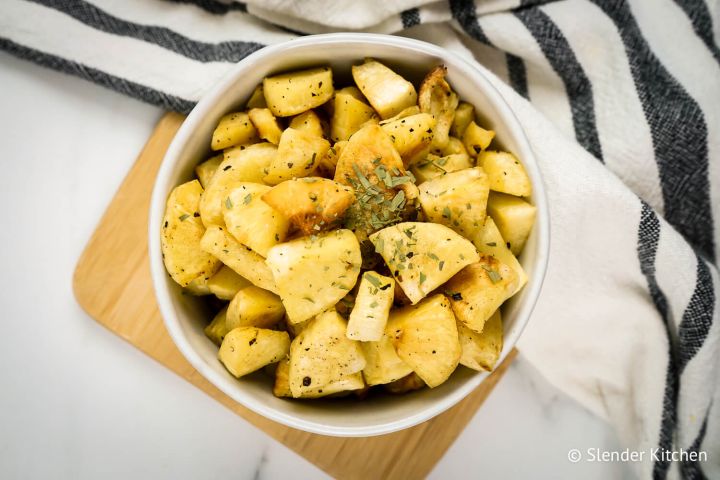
692, 470
560, 54
648, 238
126, 87
215, 7
98, 19
517, 74
698, 316
679, 134
464, 12
701, 19
410, 17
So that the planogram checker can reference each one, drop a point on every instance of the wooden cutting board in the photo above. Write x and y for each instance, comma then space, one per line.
112, 283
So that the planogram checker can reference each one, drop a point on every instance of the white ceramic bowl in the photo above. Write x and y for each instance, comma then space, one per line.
186, 316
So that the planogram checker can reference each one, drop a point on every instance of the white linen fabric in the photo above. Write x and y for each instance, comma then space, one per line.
621, 102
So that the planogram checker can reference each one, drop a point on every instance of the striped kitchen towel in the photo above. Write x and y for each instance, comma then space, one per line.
621, 102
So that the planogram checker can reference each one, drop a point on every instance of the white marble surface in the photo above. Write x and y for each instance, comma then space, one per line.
79, 403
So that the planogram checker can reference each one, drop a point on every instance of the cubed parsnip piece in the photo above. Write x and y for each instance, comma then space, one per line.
406, 112
281, 387
246, 349
329, 161
296, 92
321, 354
476, 138
254, 307
406, 384
383, 364
387, 92
257, 99
349, 114
217, 329
199, 286
240, 164
266, 124
411, 136
246, 263
181, 233
425, 337
233, 129
226, 283
311, 204
314, 273
480, 351
298, 155
514, 218
308, 122
422, 256
457, 200
505, 172
454, 146
207, 169
372, 307
433, 166
464, 114
437, 98
251, 221
489, 241
479, 289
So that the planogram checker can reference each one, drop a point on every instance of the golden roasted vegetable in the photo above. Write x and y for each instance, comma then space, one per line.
425, 337
217, 329
296, 92
433, 166
349, 114
411, 136
298, 155
207, 169
321, 355
199, 286
246, 263
257, 99
382, 362
476, 138
254, 307
266, 124
181, 233
330, 160
240, 164
308, 122
464, 114
281, 387
314, 273
372, 307
457, 200
246, 349
514, 218
489, 241
422, 256
405, 384
251, 221
454, 146
506, 173
226, 283
233, 129
387, 92
311, 204
406, 112
437, 98
480, 351
479, 289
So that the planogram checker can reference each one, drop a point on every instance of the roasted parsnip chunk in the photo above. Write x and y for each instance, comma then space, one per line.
387, 92
247, 349
506, 173
372, 307
437, 98
480, 351
254, 307
514, 218
233, 129
296, 92
298, 155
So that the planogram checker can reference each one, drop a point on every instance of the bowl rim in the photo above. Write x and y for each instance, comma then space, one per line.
158, 200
